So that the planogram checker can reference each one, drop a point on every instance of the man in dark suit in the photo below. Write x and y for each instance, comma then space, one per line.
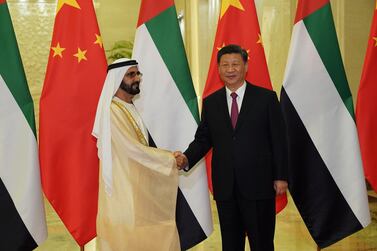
244, 126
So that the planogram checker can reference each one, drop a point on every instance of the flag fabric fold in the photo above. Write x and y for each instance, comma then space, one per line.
23, 222
169, 108
326, 179
75, 74
241, 14
366, 108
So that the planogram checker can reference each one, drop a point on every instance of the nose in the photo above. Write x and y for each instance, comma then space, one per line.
137, 77
230, 68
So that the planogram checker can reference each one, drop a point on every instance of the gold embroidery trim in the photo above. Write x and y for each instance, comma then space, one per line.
139, 134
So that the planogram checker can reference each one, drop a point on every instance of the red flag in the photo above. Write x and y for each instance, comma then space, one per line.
68, 155
366, 108
238, 24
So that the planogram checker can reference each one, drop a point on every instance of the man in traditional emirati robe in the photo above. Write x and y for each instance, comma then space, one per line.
138, 184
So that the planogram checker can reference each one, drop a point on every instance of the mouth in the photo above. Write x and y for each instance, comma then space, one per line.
231, 76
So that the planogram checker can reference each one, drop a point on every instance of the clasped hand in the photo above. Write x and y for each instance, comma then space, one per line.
280, 186
181, 160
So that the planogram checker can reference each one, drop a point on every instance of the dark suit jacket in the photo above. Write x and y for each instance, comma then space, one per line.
252, 155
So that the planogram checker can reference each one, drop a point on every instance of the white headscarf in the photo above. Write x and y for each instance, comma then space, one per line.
101, 128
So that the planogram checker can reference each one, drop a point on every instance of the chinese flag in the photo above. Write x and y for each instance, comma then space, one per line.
366, 108
68, 155
238, 24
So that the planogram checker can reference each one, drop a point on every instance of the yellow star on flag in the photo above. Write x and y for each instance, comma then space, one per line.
98, 40
72, 3
80, 55
260, 40
225, 4
58, 50
219, 48
375, 39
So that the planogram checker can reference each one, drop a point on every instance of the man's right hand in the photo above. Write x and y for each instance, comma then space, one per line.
181, 160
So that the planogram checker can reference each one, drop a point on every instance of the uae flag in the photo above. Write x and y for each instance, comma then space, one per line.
326, 178
366, 109
169, 108
68, 154
22, 217
241, 14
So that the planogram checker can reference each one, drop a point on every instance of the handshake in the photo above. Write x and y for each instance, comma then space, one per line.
181, 159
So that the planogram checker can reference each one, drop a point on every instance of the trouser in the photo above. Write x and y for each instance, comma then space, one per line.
240, 217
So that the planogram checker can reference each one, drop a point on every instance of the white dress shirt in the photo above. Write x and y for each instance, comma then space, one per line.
240, 93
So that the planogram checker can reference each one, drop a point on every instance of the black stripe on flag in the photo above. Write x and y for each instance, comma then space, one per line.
13, 232
189, 230
321, 204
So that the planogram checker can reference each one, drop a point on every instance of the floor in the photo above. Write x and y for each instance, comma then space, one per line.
290, 235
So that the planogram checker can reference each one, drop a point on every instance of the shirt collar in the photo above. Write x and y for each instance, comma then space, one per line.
240, 91
122, 101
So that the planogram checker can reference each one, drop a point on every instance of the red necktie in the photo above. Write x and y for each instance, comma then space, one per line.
234, 109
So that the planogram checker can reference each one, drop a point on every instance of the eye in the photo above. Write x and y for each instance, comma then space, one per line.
133, 74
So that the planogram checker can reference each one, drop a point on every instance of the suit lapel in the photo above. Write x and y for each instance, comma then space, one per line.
223, 108
246, 105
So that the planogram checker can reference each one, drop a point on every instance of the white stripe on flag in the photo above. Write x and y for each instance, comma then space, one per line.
170, 121
19, 165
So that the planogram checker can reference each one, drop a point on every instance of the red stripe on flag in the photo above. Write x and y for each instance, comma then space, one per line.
307, 7
366, 108
2, 1
151, 8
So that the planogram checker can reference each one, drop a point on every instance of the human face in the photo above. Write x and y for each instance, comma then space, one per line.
232, 70
131, 81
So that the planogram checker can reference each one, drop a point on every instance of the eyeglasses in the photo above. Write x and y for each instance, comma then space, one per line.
133, 74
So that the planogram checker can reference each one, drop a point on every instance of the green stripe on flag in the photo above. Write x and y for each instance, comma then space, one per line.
166, 35
11, 68
321, 28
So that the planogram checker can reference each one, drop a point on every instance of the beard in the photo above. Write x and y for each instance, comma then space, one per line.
132, 88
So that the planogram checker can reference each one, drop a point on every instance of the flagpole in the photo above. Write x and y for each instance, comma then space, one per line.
90, 246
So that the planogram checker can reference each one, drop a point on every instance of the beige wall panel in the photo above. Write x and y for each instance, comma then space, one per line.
357, 21
117, 20
204, 15
276, 26
32, 22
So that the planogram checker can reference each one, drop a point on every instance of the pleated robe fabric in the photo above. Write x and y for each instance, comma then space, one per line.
140, 212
